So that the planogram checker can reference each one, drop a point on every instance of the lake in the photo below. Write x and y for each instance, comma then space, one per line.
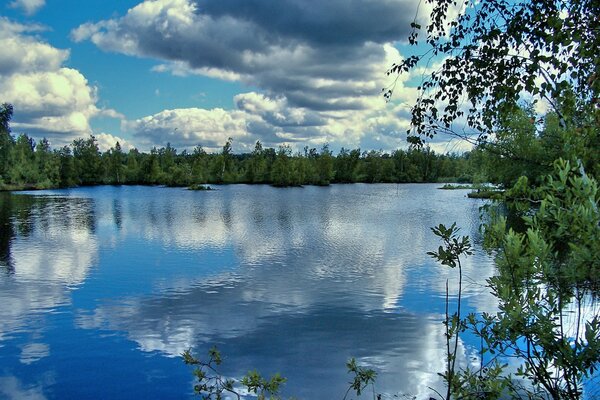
102, 288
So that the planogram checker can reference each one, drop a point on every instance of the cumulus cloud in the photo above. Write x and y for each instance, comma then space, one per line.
319, 66
189, 127
22, 53
106, 141
277, 111
29, 7
50, 99
273, 121
58, 100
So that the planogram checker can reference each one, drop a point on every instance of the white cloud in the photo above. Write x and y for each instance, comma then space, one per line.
273, 121
109, 112
189, 127
49, 111
49, 99
181, 69
29, 7
316, 84
24, 54
62, 96
106, 141
287, 52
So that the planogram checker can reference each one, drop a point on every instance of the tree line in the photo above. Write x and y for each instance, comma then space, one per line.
25, 163
525, 146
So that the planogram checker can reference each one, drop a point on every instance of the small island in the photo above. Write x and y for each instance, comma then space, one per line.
198, 186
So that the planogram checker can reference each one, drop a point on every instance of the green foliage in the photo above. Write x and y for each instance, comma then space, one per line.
6, 140
454, 247
115, 172
492, 56
256, 384
200, 187
449, 186
280, 172
6, 113
25, 164
449, 254
211, 385
87, 161
494, 52
546, 274
362, 378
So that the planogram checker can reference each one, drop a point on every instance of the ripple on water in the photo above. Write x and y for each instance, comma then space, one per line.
290, 280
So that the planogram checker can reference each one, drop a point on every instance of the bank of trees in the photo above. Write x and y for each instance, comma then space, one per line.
25, 163
525, 145
497, 59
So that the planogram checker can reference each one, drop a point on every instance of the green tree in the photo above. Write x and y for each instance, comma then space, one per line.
88, 163
48, 165
401, 165
371, 166
132, 168
493, 54
454, 247
256, 171
23, 168
546, 275
6, 140
200, 167
516, 149
226, 161
324, 166
116, 165
151, 170
166, 157
67, 172
209, 384
346, 164
492, 57
281, 172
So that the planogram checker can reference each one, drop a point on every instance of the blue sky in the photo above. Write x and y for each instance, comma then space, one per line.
195, 72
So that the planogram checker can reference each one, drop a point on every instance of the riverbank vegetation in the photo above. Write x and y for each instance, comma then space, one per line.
523, 79
520, 149
25, 164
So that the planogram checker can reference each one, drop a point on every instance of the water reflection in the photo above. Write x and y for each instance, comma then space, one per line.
47, 250
12, 388
33, 352
309, 345
293, 280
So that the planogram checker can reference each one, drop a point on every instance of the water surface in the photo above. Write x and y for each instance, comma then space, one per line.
102, 288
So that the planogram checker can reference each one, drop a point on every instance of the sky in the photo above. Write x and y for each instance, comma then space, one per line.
196, 72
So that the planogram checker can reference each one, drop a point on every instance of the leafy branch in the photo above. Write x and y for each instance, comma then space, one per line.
211, 385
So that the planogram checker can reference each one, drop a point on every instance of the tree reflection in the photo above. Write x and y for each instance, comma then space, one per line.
47, 246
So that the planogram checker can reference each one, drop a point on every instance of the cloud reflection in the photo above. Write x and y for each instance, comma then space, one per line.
321, 275
33, 352
12, 389
51, 249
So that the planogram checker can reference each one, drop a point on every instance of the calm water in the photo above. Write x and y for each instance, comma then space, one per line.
102, 288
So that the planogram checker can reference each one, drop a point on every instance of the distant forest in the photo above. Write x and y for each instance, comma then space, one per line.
25, 164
